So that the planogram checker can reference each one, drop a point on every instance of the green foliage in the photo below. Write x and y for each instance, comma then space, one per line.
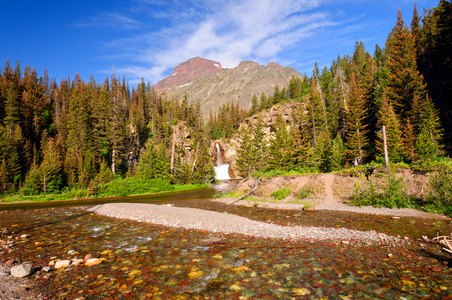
391, 193
139, 185
303, 193
337, 153
33, 182
282, 147
154, 162
441, 184
281, 194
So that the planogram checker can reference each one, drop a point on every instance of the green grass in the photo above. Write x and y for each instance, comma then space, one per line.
118, 187
281, 194
276, 173
228, 195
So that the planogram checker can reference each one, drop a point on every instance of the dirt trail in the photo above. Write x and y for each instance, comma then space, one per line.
327, 200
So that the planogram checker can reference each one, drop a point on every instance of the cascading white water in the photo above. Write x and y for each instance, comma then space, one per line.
221, 170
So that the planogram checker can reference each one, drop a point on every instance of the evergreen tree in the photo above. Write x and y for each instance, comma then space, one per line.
154, 162
3, 177
356, 129
388, 118
51, 167
260, 144
254, 105
338, 153
323, 152
282, 147
245, 162
404, 79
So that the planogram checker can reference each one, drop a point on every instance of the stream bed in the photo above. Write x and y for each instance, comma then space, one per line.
145, 261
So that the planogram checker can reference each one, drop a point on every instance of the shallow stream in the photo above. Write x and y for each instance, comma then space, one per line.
144, 261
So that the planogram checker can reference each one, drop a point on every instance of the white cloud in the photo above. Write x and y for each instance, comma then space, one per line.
235, 31
224, 31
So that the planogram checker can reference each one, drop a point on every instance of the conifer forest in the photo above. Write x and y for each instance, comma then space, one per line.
59, 135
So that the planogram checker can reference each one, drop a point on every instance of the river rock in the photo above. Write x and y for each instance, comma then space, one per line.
93, 261
9, 262
21, 270
46, 269
77, 261
87, 257
3, 273
62, 263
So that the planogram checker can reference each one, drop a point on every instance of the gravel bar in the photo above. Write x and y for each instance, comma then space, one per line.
198, 219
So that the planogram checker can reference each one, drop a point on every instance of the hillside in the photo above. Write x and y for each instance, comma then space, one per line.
213, 85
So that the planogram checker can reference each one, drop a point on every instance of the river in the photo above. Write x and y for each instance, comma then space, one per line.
145, 261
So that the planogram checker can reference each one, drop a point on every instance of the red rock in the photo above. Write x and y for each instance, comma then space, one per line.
436, 269
187, 72
87, 257
9, 262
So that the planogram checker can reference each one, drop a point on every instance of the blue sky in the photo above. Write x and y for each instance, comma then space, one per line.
148, 38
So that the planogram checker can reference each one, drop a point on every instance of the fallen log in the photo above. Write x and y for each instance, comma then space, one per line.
247, 194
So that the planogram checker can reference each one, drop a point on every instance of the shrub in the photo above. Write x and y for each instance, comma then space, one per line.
303, 193
281, 194
391, 193
441, 184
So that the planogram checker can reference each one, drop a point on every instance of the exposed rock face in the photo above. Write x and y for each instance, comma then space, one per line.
187, 72
286, 111
215, 86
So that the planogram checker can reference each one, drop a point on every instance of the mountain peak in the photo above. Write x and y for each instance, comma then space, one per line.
188, 72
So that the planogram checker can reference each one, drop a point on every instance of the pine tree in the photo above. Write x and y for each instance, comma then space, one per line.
323, 152
154, 162
404, 79
409, 140
357, 142
260, 144
254, 105
338, 153
51, 167
3, 177
245, 162
428, 140
388, 118
282, 147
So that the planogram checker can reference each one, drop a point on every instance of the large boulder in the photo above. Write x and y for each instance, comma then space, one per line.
21, 270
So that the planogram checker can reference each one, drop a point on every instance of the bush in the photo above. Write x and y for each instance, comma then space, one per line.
303, 193
391, 193
281, 194
441, 184
133, 186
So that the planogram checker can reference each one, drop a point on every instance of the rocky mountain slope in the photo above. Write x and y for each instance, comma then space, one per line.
212, 85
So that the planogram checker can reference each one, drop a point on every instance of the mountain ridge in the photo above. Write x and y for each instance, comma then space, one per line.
212, 85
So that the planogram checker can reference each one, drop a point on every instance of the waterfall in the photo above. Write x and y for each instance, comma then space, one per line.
218, 154
221, 169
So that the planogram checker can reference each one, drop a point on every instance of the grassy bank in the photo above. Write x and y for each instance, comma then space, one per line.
118, 187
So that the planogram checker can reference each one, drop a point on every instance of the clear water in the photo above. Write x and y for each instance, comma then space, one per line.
144, 261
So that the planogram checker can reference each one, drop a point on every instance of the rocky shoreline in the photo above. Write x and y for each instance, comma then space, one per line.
197, 219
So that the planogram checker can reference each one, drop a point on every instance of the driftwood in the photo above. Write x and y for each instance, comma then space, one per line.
247, 194
443, 240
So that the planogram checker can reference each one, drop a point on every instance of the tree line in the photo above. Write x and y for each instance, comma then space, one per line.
344, 107
82, 134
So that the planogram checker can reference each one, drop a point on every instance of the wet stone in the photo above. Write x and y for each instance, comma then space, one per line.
21, 270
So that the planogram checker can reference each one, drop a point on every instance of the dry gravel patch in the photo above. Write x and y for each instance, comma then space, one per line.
198, 219
12, 288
